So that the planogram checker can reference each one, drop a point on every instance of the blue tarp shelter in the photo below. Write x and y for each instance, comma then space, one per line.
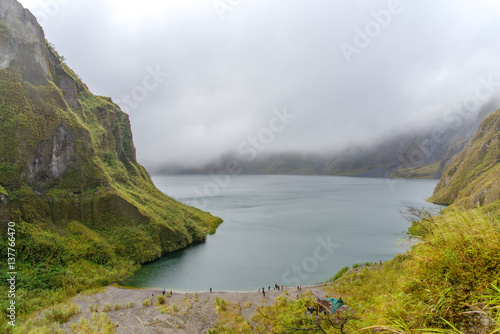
336, 303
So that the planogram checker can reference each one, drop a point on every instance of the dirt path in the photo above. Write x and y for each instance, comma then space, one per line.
194, 312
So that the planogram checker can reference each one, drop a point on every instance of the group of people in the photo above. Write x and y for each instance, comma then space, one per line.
317, 310
312, 310
276, 287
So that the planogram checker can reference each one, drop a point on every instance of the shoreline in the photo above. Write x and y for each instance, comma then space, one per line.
130, 309
118, 285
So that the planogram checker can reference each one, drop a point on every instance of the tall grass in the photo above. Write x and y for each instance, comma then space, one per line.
97, 323
49, 321
492, 308
433, 286
453, 265
62, 313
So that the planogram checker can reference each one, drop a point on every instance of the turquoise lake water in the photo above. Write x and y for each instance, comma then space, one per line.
289, 230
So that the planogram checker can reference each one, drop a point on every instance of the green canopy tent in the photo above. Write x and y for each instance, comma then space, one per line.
336, 303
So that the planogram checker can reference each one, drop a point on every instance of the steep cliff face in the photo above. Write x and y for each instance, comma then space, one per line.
474, 177
22, 43
67, 155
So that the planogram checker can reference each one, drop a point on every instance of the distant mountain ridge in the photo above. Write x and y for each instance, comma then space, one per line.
418, 154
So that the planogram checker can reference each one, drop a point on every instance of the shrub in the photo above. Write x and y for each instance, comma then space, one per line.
160, 299
339, 274
98, 323
365, 264
220, 304
62, 313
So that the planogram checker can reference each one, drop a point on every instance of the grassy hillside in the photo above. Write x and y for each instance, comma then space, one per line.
86, 212
473, 178
450, 272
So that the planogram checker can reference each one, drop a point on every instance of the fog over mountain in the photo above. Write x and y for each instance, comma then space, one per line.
201, 78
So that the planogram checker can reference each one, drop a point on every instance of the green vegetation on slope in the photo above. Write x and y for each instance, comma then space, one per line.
86, 212
474, 177
425, 172
453, 266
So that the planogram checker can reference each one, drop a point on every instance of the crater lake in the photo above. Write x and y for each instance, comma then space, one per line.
284, 229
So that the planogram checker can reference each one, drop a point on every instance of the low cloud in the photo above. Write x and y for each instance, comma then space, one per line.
413, 60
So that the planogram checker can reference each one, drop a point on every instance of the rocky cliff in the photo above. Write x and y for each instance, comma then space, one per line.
67, 157
22, 43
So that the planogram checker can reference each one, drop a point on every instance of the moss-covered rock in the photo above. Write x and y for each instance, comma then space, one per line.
67, 156
85, 212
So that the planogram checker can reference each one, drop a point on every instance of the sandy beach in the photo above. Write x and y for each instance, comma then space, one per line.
195, 312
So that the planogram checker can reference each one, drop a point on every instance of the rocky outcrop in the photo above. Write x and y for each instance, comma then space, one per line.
52, 159
22, 43
477, 321
68, 156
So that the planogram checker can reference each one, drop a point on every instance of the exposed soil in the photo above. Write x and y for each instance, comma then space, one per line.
195, 311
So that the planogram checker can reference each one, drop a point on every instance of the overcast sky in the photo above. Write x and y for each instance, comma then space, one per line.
198, 77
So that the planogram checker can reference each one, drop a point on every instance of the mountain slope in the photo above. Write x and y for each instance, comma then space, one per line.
85, 210
474, 176
414, 153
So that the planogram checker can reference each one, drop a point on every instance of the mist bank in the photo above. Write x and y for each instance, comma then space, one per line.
415, 153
